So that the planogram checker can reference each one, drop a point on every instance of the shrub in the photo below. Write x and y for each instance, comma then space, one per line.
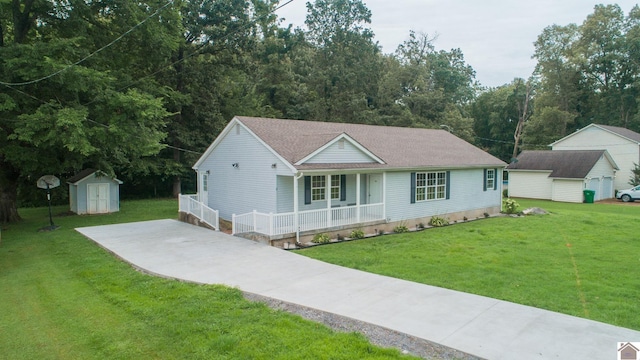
510, 206
321, 238
437, 221
421, 226
486, 215
400, 228
357, 234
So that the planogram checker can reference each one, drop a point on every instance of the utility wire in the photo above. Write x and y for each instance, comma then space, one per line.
196, 52
90, 55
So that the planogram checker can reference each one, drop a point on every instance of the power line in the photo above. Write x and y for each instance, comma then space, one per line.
90, 55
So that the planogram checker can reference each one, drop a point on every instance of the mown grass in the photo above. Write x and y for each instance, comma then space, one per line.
581, 260
63, 297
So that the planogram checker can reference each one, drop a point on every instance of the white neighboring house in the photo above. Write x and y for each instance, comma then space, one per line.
622, 144
562, 175
342, 175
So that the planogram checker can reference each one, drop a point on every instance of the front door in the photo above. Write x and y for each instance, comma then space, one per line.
374, 188
204, 188
97, 198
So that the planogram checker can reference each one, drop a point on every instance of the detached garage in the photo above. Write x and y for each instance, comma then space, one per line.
93, 192
562, 175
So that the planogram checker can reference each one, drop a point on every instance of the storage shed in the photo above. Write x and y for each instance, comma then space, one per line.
94, 192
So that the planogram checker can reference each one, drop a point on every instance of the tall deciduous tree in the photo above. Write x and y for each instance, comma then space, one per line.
346, 63
56, 118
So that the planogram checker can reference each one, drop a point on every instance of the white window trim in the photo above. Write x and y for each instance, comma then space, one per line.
491, 179
322, 189
333, 187
435, 187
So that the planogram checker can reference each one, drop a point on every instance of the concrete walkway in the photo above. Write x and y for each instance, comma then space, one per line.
477, 325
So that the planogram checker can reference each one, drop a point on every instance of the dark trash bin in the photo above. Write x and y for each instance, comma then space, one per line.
589, 195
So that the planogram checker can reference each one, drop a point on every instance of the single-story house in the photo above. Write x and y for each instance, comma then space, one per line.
562, 175
94, 192
298, 173
622, 144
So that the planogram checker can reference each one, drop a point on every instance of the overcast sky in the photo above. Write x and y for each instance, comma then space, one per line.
495, 36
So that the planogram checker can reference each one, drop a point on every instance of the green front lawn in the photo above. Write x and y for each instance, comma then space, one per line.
63, 297
581, 260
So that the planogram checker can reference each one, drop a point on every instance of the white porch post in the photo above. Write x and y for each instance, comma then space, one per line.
358, 198
327, 196
384, 195
296, 217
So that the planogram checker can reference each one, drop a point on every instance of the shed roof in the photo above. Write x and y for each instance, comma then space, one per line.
83, 174
397, 147
569, 164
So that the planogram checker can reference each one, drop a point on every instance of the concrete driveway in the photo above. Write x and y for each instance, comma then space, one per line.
477, 325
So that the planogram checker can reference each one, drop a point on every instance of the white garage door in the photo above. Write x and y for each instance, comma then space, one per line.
594, 184
607, 188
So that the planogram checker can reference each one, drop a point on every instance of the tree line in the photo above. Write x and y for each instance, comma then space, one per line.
140, 89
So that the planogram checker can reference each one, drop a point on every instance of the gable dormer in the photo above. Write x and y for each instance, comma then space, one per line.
342, 149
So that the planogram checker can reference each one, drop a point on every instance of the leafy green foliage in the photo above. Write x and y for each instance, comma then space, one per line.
635, 177
510, 206
321, 238
401, 228
357, 234
438, 221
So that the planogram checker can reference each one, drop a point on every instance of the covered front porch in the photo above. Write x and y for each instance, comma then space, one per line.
318, 201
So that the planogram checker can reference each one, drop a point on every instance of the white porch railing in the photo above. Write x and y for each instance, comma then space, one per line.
189, 204
278, 224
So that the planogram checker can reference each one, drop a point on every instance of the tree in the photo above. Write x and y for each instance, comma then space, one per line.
634, 180
523, 99
497, 113
345, 63
425, 87
56, 118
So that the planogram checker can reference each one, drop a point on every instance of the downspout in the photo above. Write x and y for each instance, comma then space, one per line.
296, 220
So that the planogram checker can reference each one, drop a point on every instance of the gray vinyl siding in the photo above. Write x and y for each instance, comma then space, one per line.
252, 185
335, 155
466, 193
285, 194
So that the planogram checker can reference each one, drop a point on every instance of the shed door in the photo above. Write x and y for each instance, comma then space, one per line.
97, 198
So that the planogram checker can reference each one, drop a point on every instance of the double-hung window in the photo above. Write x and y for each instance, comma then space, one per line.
431, 185
491, 178
319, 186
335, 187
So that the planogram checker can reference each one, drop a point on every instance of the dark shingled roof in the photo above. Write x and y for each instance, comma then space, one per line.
623, 132
81, 175
397, 147
86, 172
570, 164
